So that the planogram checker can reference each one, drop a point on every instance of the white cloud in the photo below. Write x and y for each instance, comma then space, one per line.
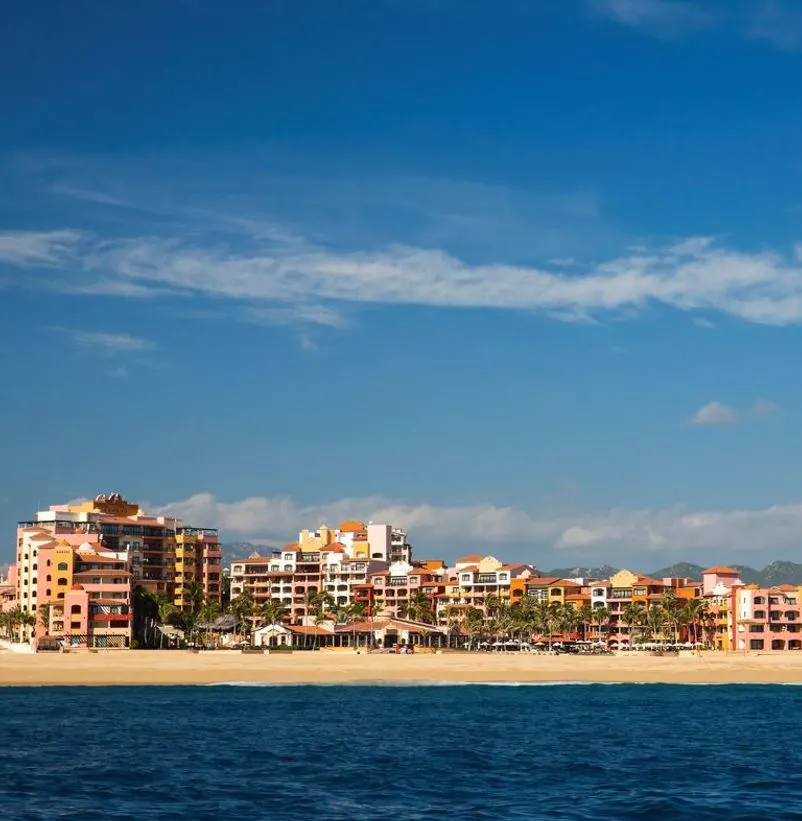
777, 23
774, 21
29, 248
677, 529
763, 407
109, 342
701, 322
310, 284
714, 413
656, 16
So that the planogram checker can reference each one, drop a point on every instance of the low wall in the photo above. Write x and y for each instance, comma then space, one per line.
14, 647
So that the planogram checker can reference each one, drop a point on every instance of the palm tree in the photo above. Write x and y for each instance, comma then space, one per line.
43, 612
193, 591
654, 621
601, 615
209, 611
693, 611
672, 608
242, 607
166, 609
474, 623
634, 615
418, 608
273, 611
585, 616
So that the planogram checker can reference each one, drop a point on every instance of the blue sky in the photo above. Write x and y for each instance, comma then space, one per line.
524, 277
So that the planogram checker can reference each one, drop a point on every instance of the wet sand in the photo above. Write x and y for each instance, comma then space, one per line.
180, 667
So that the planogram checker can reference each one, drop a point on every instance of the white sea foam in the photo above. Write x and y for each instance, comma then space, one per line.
438, 683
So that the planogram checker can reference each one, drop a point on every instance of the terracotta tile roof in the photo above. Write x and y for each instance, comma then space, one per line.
543, 581
307, 631
255, 560
351, 526
292, 546
721, 570
101, 573
472, 559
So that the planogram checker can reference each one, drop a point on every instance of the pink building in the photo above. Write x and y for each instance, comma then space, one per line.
714, 579
766, 619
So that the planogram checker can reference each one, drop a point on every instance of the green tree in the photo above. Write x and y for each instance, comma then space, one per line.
601, 616
634, 616
242, 606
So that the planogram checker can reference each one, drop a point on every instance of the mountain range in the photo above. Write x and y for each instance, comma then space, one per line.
772, 574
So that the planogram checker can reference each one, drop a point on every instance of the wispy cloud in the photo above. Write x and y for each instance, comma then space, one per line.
109, 342
775, 21
30, 248
701, 322
661, 17
628, 531
696, 274
715, 413
763, 407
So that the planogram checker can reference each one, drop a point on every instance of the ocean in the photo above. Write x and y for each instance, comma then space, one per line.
399, 753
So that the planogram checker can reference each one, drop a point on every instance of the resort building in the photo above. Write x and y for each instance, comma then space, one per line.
765, 618
85, 596
116, 530
339, 561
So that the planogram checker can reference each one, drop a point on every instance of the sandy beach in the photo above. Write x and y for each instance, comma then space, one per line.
150, 667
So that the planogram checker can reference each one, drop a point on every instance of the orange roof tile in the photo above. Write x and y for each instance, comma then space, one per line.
721, 570
472, 559
351, 526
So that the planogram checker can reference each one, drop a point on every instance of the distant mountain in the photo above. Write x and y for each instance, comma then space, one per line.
749, 575
603, 572
241, 550
772, 574
680, 570
779, 573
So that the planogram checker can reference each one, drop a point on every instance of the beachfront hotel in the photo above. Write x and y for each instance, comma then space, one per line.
78, 566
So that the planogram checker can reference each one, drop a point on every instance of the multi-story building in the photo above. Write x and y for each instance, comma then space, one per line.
112, 525
85, 596
765, 618
197, 566
338, 561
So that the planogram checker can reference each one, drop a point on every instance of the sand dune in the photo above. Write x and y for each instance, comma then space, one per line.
179, 667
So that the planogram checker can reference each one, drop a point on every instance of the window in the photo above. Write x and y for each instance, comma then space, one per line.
48, 593
755, 628
756, 644
555, 591
61, 582
63, 566
76, 608
598, 591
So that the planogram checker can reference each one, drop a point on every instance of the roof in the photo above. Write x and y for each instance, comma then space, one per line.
383, 624
351, 526
101, 573
255, 560
721, 570
307, 631
472, 559
545, 581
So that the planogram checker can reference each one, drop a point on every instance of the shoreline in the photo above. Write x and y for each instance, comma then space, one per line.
153, 667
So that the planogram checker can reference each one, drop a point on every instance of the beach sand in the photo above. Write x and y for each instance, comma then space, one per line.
138, 667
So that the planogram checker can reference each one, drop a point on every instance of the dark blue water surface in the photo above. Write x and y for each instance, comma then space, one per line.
401, 753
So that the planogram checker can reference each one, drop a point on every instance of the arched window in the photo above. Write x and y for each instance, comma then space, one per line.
62, 582
48, 576
63, 566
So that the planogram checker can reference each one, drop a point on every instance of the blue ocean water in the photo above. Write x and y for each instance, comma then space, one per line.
401, 753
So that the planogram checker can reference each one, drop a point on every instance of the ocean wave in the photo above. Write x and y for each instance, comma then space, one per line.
438, 683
